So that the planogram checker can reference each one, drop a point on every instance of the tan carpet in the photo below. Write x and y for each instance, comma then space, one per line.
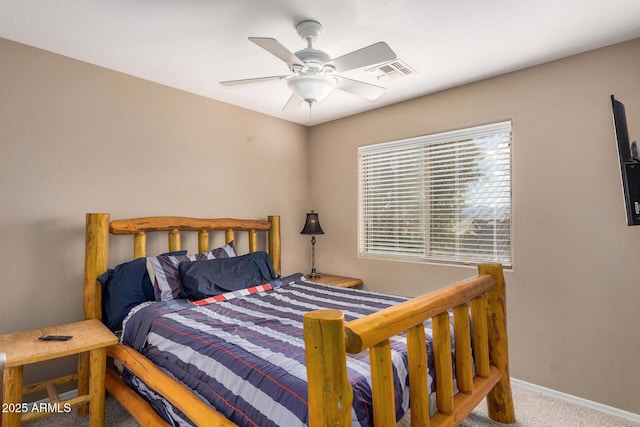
533, 409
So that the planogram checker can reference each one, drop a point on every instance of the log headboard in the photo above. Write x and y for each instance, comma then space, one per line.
99, 227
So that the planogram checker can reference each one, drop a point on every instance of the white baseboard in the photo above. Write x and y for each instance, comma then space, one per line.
578, 400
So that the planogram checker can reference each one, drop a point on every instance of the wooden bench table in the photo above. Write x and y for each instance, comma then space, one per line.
23, 348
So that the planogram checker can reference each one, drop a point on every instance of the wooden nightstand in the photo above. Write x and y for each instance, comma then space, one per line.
23, 348
344, 282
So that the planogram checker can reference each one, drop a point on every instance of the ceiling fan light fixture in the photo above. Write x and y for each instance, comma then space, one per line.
312, 88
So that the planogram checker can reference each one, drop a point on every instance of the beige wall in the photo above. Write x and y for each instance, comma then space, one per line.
75, 138
575, 286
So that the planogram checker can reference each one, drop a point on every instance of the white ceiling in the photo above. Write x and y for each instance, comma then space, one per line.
194, 44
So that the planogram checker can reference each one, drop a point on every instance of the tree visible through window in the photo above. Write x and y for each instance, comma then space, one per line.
443, 197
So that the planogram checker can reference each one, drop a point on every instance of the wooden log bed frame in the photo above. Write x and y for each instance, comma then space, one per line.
328, 338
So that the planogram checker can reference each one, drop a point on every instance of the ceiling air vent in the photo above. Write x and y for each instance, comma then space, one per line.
391, 70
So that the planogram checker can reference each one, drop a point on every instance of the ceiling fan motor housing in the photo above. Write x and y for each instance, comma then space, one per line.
313, 59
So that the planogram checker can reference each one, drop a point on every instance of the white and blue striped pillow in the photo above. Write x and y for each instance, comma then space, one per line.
163, 270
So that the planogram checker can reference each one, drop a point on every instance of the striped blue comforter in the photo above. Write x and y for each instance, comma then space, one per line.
246, 356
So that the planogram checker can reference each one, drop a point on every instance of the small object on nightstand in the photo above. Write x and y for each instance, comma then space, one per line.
341, 281
55, 337
23, 348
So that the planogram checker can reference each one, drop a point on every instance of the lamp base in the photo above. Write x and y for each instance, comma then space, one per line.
313, 275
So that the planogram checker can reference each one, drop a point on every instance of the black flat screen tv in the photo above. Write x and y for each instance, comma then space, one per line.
629, 163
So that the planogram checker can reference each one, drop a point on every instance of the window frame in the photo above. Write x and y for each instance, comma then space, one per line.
423, 251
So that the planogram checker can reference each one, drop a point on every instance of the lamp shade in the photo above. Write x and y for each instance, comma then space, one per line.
312, 225
311, 87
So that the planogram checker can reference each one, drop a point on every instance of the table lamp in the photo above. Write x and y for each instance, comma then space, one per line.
312, 227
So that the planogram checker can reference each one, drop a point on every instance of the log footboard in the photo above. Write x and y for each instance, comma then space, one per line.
328, 339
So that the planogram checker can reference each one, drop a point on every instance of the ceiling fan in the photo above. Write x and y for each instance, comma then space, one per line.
314, 73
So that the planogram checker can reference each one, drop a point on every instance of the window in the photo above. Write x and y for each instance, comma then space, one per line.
443, 197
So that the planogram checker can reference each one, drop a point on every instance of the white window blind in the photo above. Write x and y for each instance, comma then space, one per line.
442, 197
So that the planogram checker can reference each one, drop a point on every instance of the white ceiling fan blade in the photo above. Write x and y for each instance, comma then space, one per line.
274, 47
374, 54
362, 89
293, 103
250, 81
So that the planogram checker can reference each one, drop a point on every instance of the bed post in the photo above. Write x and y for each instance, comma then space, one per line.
499, 400
330, 393
274, 243
95, 263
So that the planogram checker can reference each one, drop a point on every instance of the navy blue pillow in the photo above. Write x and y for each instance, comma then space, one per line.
202, 279
124, 287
